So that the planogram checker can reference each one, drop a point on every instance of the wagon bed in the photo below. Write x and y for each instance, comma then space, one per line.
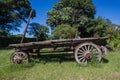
51, 43
82, 48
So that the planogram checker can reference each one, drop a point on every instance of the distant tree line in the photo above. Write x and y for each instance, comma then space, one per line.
5, 41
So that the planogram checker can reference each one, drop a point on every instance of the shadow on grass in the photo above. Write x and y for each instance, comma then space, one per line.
45, 58
104, 60
60, 57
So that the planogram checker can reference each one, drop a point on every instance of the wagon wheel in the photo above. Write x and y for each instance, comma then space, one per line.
85, 52
19, 57
104, 50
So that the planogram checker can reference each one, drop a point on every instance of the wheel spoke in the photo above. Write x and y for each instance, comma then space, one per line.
81, 59
24, 56
17, 54
86, 47
80, 56
81, 50
85, 61
91, 48
80, 53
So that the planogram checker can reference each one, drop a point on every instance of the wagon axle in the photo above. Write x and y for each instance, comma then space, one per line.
88, 55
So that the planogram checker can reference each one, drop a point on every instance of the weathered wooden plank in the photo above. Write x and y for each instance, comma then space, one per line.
61, 41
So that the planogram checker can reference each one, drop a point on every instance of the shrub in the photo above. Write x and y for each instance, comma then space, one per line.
64, 31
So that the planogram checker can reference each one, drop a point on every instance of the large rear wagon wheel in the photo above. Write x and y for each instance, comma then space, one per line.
19, 57
87, 52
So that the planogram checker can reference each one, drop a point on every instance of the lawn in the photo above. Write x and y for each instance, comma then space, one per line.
59, 67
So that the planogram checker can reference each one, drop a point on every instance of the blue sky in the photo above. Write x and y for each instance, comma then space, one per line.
41, 7
106, 8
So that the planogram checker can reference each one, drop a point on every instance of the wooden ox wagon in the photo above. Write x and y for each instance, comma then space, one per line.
84, 49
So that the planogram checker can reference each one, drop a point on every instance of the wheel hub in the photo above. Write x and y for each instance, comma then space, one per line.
18, 59
88, 55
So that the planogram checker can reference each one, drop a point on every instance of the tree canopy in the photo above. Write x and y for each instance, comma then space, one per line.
99, 27
12, 14
72, 12
40, 32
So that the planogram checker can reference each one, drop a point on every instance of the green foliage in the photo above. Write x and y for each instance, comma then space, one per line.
79, 13
5, 41
12, 14
3, 32
64, 31
99, 27
114, 40
38, 31
17, 35
113, 32
72, 12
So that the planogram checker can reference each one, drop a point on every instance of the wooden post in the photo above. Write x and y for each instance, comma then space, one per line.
26, 26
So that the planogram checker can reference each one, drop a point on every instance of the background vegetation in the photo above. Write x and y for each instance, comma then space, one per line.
81, 15
5, 41
64, 31
12, 14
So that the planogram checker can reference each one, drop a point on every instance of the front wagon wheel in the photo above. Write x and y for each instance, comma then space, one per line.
87, 52
19, 57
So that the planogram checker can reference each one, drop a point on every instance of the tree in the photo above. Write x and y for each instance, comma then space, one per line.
12, 14
114, 36
38, 31
65, 31
99, 27
3, 32
72, 12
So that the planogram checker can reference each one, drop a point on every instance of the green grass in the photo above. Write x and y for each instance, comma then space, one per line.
59, 67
